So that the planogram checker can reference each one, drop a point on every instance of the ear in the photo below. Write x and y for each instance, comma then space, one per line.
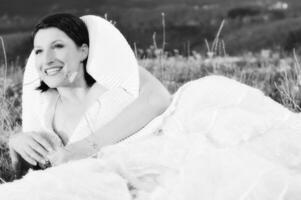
84, 52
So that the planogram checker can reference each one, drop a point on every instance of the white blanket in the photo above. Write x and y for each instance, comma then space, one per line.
218, 140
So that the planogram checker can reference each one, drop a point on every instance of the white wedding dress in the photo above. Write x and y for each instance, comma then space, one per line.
218, 140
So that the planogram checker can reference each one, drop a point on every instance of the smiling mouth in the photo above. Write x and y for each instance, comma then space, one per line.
52, 71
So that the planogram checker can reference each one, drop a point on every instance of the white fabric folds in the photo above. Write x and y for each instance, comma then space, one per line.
194, 150
111, 60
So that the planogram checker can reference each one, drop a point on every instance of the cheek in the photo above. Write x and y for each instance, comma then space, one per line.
38, 64
62, 56
73, 60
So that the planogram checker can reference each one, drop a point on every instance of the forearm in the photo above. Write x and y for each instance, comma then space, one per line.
151, 102
128, 122
132, 119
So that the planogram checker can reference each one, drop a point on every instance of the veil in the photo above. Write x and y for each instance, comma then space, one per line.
111, 62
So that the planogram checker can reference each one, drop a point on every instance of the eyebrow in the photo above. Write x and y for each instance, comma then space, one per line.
50, 43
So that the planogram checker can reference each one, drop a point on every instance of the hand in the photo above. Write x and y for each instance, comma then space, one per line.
60, 156
79, 150
33, 147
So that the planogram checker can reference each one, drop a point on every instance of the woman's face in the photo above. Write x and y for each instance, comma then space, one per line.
57, 57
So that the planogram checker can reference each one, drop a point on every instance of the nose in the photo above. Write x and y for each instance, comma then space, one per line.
49, 57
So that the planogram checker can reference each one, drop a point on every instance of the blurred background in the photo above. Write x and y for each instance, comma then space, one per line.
256, 42
249, 25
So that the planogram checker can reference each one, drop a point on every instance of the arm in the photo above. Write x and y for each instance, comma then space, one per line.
151, 102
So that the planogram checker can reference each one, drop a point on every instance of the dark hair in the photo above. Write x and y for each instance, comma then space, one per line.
72, 26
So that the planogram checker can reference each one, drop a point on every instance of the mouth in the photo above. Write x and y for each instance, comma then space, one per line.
52, 71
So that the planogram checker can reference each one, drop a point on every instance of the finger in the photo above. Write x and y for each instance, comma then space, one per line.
58, 157
14, 158
38, 148
34, 155
54, 158
43, 142
28, 159
13, 154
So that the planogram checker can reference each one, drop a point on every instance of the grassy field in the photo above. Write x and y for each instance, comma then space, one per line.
277, 75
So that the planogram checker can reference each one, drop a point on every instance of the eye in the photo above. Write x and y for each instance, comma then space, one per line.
38, 51
59, 46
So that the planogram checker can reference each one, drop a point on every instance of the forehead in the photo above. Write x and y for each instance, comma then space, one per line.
49, 35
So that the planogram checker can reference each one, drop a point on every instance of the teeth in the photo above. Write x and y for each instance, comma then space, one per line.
53, 71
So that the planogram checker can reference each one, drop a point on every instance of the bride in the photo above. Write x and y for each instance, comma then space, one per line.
63, 97
218, 139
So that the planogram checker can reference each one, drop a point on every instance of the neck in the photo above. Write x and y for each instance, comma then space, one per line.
75, 90
75, 94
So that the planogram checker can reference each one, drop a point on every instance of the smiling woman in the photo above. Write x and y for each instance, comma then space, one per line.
60, 55
55, 53
56, 45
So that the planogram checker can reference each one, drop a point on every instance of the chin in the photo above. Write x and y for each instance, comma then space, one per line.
53, 83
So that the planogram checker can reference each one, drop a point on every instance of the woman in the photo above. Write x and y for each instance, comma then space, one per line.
218, 139
61, 45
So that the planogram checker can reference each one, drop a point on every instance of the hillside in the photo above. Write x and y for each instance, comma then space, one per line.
270, 35
250, 25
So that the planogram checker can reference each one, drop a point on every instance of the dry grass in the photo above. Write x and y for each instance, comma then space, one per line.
278, 77
10, 110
